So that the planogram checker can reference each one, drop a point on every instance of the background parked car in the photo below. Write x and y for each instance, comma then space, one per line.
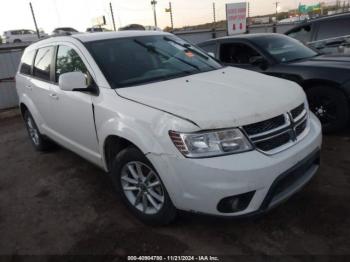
21, 35
325, 33
133, 27
325, 78
96, 29
64, 31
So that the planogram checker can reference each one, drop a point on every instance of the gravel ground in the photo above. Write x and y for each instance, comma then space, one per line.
57, 203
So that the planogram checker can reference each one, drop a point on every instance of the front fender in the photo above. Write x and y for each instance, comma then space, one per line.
148, 133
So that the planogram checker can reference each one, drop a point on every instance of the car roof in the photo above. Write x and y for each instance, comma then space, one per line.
245, 37
329, 17
111, 35
319, 19
90, 37
18, 30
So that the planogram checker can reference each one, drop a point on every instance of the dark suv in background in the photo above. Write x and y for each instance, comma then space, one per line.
328, 34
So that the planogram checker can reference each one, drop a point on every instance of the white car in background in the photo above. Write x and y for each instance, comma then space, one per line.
64, 31
174, 128
21, 35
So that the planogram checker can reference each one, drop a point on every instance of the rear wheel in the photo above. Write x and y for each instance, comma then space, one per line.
38, 140
17, 41
330, 105
141, 188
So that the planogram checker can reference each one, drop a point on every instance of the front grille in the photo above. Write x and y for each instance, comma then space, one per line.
265, 126
300, 128
297, 111
273, 134
274, 142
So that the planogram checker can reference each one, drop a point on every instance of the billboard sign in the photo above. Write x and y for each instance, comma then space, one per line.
99, 21
236, 16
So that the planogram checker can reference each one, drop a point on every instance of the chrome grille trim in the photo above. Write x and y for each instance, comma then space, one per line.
287, 123
290, 126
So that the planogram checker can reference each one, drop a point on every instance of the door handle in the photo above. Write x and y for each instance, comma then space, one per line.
53, 96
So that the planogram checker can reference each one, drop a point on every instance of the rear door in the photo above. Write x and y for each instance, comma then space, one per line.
40, 84
73, 118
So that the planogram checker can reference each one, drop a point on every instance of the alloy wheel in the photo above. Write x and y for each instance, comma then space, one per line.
142, 187
325, 109
33, 132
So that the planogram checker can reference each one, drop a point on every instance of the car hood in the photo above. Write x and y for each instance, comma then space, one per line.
228, 97
331, 61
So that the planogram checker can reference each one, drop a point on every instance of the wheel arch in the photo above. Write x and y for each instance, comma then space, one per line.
27, 104
112, 145
321, 82
23, 108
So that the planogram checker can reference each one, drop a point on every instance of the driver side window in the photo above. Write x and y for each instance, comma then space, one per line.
68, 61
237, 53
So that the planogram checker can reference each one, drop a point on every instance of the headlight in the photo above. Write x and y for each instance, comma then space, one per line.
211, 143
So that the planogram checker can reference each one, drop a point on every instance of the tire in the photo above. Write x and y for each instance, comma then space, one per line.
17, 41
331, 106
140, 191
39, 142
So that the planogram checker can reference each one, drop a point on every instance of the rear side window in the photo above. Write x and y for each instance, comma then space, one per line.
303, 33
42, 63
334, 28
68, 61
27, 61
210, 48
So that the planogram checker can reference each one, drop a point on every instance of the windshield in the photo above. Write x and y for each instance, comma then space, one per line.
140, 60
285, 49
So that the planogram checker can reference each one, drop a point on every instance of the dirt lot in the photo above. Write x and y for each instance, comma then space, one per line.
57, 203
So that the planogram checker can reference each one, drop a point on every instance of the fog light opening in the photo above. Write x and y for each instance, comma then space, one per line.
235, 203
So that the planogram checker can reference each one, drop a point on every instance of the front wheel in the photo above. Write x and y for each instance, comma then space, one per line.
331, 106
141, 188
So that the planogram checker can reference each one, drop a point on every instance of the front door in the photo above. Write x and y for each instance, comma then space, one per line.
240, 55
73, 122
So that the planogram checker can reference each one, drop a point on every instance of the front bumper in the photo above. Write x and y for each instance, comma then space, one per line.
198, 185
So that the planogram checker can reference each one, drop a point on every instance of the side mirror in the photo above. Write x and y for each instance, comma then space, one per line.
211, 54
73, 81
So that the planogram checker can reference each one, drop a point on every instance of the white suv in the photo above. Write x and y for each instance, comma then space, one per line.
23, 35
174, 128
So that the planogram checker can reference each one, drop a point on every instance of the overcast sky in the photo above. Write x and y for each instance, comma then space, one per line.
15, 14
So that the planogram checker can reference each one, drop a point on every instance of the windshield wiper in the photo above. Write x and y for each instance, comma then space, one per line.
187, 46
155, 50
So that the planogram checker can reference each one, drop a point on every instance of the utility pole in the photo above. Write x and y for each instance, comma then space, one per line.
170, 10
112, 14
214, 17
248, 18
277, 3
36, 26
153, 3
275, 24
